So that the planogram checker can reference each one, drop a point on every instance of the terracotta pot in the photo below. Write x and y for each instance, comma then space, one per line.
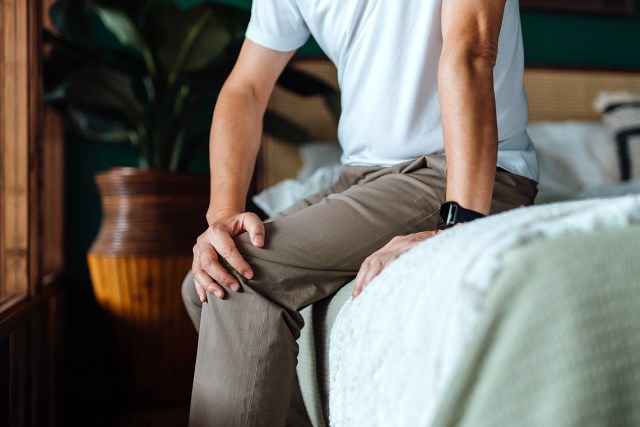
151, 220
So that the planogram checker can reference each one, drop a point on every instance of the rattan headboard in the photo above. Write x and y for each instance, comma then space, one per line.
554, 94
280, 160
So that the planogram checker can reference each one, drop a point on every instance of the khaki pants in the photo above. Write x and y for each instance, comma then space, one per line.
245, 368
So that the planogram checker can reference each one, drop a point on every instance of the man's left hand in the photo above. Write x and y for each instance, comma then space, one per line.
375, 263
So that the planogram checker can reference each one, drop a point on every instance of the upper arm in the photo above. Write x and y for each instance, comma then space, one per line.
257, 70
472, 27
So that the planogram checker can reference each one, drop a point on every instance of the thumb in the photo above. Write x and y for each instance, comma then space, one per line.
255, 228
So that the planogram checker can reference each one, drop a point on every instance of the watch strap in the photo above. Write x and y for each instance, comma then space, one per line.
452, 214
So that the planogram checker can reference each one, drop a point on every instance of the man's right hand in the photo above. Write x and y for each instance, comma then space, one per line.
236, 134
217, 242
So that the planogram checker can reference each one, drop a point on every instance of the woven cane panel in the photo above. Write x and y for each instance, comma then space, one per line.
569, 94
281, 160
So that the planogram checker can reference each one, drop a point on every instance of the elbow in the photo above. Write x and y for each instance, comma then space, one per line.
484, 55
243, 93
477, 58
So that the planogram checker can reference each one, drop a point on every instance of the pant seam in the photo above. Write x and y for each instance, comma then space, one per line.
409, 230
255, 369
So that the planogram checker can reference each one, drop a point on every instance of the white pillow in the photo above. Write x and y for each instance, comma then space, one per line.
320, 170
621, 113
574, 156
316, 155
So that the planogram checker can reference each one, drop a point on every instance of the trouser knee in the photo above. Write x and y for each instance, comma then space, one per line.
191, 300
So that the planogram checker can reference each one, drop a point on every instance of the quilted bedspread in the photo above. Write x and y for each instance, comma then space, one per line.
493, 324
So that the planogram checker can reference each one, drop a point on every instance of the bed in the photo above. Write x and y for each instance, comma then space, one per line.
553, 337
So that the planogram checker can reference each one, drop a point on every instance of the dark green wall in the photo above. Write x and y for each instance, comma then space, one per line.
582, 40
549, 39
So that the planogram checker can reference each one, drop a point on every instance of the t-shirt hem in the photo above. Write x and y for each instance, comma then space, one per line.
515, 154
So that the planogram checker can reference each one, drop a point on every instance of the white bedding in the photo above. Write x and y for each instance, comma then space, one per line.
320, 170
574, 156
395, 348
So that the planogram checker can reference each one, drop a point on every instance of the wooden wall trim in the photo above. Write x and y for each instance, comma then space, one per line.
31, 225
16, 140
31, 157
35, 122
19, 312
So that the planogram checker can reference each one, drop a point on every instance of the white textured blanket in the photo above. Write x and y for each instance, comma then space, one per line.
395, 349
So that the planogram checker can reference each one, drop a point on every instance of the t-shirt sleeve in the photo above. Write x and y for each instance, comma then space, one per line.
277, 25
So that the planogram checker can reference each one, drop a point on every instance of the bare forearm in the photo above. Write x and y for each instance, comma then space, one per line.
470, 130
237, 126
470, 31
235, 140
234, 143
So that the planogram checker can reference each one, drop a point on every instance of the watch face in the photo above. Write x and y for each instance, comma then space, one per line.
452, 217
452, 213
449, 213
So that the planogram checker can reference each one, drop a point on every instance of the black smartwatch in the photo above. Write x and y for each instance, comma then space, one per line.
452, 213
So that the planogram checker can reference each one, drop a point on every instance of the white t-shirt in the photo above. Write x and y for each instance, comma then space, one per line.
387, 54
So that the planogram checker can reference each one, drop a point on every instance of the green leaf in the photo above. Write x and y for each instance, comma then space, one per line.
123, 28
201, 36
193, 53
61, 62
98, 85
97, 88
71, 49
213, 76
69, 55
70, 18
282, 128
101, 124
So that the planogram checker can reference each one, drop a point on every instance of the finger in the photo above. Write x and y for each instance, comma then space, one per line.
226, 248
218, 273
202, 294
205, 282
208, 262
255, 228
360, 277
356, 288
200, 290
374, 269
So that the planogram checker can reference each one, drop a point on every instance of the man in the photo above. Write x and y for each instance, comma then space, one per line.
418, 78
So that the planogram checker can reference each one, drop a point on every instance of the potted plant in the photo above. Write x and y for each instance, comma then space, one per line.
147, 73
